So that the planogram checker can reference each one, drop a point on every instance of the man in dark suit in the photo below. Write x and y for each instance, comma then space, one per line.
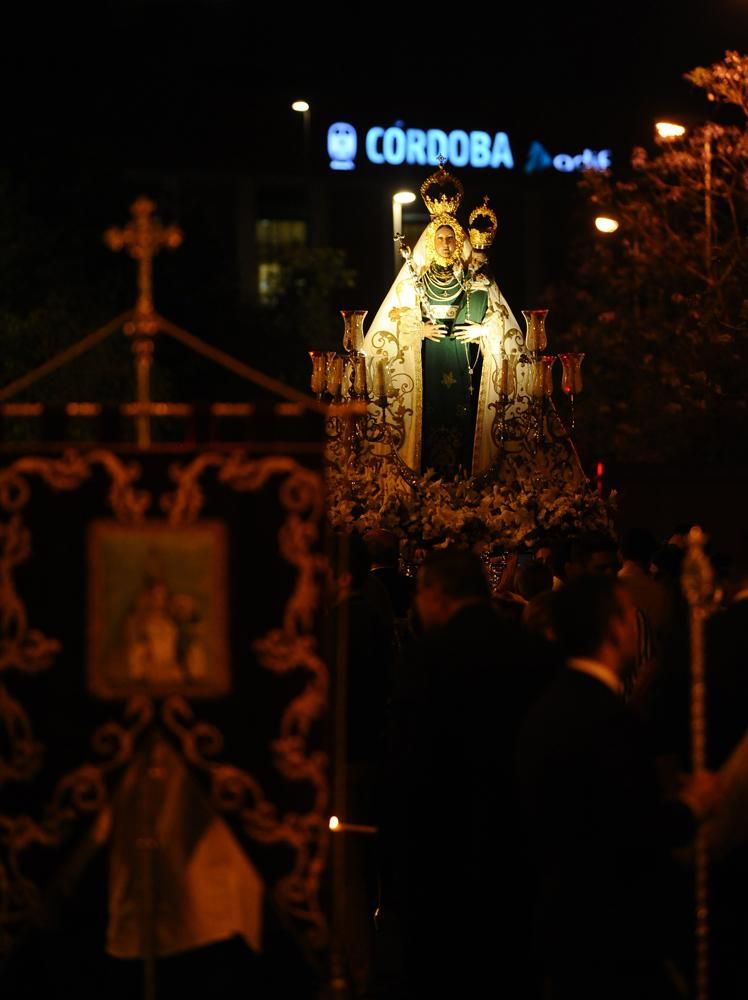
450, 831
598, 827
726, 663
384, 552
727, 667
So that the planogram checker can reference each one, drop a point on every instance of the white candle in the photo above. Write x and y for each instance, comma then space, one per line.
380, 377
336, 376
538, 379
504, 377
512, 380
318, 373
578, 376
359, 377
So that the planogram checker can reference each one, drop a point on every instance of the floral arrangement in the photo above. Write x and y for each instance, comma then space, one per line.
494, 518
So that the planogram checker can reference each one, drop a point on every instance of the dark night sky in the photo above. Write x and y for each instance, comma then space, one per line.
164, 80
92, 103
174, 87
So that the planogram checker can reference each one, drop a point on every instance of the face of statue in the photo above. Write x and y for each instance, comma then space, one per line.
445, 243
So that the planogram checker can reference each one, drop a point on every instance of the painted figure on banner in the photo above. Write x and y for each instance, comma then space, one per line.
162, 637
157, 609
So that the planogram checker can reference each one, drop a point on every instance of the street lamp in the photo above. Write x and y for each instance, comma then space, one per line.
303, 108
398, 200
674, 130
609, 224
606, 224
669, 130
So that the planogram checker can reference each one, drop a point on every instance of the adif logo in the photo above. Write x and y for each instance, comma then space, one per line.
341, 146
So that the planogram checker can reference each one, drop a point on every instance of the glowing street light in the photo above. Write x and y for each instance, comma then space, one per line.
303, 108
606, 224
674, 130
669, 130
398, 200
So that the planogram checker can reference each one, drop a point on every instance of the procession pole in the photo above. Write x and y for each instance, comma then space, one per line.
698, 587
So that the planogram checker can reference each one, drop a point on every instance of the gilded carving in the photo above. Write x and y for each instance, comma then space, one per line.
23, 756
81, 791
21, 647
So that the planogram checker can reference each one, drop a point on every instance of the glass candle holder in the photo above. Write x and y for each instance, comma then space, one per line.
571, 378
319, 372
535, 338
353, 332
335, 376
545, 373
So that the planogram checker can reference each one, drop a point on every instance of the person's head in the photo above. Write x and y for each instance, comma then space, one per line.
348, 567
533, 578
159, 595
737, 577
359, 562
445, 242
544, 553
383, 547
448, 580
667, 563
594, 617
537, 615
565, 558
638, 545
679, 536
598, 555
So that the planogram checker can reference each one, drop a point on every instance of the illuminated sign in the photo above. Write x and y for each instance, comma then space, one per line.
341, 146
538, 158
396, 145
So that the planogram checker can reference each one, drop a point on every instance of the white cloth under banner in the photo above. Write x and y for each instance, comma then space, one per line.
177, 873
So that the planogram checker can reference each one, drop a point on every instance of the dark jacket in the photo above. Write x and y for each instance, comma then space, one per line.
598, 828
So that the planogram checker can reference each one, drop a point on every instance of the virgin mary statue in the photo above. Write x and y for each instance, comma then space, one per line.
443, 330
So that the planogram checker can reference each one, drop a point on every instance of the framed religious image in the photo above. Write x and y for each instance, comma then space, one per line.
157, 620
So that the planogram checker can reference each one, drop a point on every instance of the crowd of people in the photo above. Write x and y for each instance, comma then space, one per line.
524, 754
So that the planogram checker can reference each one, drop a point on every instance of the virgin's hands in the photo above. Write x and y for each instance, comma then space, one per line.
433, 332
469, 333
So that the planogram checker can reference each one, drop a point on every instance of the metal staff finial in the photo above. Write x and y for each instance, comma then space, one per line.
142, 238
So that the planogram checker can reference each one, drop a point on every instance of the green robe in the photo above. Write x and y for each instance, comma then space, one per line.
449, 407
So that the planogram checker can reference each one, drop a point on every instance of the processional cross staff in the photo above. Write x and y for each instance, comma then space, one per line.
698, 588
143, 238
